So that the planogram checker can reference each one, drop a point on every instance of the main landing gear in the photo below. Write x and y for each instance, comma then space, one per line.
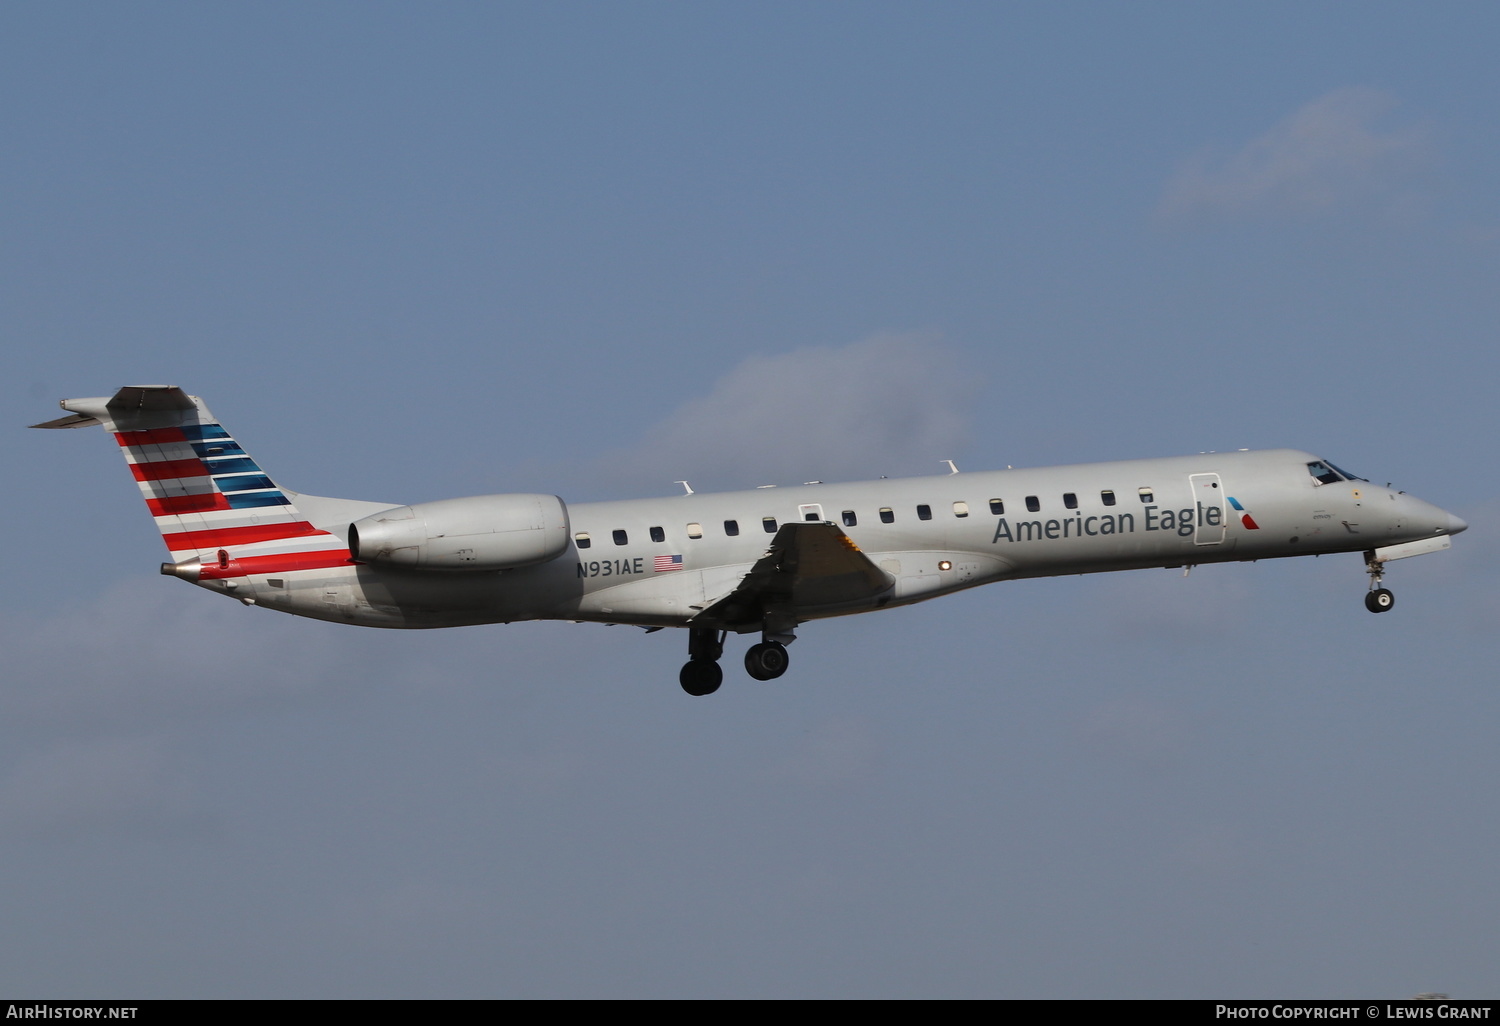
1379, 599
767, 661
702, 675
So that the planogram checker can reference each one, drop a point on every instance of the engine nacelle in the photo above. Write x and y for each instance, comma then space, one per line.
482, 532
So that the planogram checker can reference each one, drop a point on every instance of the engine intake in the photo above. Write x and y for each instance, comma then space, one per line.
482, 532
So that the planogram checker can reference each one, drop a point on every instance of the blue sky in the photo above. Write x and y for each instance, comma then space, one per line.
410, 252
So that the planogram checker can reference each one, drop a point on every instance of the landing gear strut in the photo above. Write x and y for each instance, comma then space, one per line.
1379, 599
701, 674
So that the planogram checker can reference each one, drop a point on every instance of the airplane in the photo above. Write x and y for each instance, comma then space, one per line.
765, 560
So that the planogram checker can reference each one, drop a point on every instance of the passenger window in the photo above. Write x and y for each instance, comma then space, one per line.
1033, 503
1320, 472
658, 535
850, 520
960, 509
1107, 497
769, 523
732, 528
887, 515
924, 512
582, 540
1070, 500
1147, 495
620, 538
695, 530
997, 507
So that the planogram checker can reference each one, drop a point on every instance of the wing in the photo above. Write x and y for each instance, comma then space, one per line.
807, 566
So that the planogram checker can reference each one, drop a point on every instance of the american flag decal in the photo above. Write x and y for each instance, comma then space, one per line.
668, 563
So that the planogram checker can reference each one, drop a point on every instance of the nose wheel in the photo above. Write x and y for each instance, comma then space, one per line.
1378, 599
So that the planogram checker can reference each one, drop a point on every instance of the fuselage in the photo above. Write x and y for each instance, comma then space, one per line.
764, 560
660, 562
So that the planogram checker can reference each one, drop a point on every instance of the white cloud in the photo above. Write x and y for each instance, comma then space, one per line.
1335, 152
891, 404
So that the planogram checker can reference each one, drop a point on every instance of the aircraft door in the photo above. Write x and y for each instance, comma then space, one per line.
812, 511
1208, 498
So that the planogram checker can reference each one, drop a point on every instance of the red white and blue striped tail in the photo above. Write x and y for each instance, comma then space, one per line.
214, 505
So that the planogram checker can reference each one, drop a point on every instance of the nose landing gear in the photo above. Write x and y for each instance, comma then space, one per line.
1379, 599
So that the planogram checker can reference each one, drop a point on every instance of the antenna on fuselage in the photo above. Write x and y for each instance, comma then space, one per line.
687, 488
952, 467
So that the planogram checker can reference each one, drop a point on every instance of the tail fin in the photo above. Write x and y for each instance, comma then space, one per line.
218, 512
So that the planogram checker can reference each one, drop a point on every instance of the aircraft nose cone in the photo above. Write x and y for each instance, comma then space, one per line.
1455, 525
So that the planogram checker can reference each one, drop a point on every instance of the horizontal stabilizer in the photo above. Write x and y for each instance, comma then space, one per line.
72, 420
149, 398
133, 405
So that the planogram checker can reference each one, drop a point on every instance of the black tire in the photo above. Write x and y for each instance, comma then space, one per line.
1379, 600
767, 661
700, 677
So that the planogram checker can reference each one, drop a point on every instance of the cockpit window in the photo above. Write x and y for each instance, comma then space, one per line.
1322, 473
1352, 477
